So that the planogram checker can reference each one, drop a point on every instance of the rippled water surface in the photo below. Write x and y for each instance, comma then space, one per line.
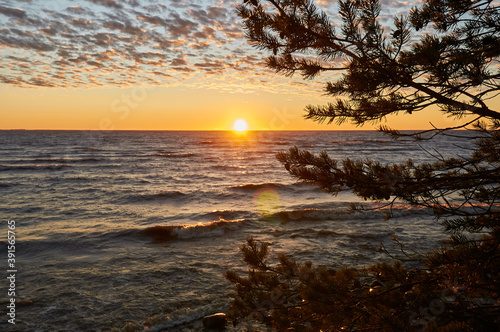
117, 228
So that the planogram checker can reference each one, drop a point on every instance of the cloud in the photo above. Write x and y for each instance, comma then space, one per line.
205, 33
11, 80
208, 16
107, 3
217, 13
82, 23
13, 12
77, 10
180, 27
131, 30
41, 81
127, 42
200, 45
166, 44
185, 69
212, 67
235, 32
95, 63
29, 43
103, 39
159, 73
155, 20
180, 61
113, 25
395, 3
22, 33
51, 31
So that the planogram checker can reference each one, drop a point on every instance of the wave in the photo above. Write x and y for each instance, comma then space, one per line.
180, 196
174, 154
309, 215
344, 212
360, 142
33, 167
275, 143
308, 233
166, 233
157, 196
185, 317
66, 160
226, 214
268, 185
35, 244
229, 167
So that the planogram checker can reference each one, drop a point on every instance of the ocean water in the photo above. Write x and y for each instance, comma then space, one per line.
116, 230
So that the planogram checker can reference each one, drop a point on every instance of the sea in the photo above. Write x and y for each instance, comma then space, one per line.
134, 230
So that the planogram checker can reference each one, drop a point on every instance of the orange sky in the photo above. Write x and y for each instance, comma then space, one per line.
171, 108
170, 65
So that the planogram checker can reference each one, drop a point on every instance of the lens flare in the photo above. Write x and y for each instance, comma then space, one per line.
267, 201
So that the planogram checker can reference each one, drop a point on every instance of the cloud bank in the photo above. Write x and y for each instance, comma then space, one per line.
119, 43
94, 43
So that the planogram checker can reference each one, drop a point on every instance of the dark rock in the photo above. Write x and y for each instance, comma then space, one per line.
215, 321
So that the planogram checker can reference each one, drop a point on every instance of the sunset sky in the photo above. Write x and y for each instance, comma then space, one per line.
150, 65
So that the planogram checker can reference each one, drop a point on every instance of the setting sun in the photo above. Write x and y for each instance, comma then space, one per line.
240, 125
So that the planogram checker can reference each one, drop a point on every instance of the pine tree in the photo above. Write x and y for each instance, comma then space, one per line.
380, 71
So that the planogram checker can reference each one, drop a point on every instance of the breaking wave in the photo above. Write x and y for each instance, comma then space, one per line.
166, 233
344, 212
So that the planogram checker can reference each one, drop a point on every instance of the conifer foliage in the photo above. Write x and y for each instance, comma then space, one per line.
376, 71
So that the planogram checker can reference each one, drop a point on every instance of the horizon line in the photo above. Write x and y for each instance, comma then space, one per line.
220, 130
